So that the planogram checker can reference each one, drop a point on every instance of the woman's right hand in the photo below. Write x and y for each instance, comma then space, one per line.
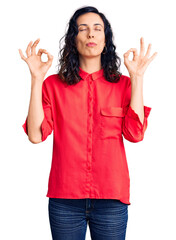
37, 68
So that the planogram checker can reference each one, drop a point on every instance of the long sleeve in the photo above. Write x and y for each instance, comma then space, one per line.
47, 123
132, 128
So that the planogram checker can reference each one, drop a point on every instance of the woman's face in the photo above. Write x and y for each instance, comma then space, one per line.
90, 29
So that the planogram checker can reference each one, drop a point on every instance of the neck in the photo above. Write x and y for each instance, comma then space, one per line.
90, 65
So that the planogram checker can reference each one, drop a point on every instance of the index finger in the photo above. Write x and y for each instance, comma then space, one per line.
135, 54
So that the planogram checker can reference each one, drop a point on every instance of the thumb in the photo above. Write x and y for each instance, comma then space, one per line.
126, 55
50, 58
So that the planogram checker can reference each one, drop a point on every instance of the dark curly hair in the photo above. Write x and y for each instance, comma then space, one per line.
69, 60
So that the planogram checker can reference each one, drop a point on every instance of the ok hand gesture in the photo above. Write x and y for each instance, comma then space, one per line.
37, 68
139, 63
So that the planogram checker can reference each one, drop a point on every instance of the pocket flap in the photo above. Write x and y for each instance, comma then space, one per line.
112, 111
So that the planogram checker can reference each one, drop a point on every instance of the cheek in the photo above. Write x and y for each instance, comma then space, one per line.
101, 39
102, 44
80, 46
79, 42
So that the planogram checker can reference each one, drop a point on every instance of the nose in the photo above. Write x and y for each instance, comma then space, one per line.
90, 34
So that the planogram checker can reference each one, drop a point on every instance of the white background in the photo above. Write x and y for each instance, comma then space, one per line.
25, 167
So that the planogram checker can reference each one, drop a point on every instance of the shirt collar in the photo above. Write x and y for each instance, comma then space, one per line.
95, 75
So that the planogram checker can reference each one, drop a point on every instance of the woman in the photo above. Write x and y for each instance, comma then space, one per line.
89, 104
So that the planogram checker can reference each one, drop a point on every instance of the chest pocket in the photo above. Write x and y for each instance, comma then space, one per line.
111, 119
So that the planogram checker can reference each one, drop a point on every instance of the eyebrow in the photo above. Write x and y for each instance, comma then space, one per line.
87, 25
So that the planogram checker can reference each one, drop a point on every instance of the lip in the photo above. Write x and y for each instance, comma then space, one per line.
91, 44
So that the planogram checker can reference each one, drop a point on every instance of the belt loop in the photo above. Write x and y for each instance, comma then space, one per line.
88, 203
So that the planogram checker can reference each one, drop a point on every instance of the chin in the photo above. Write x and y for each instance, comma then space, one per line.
93, 54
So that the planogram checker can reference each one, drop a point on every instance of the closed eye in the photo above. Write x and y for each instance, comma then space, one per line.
86, 29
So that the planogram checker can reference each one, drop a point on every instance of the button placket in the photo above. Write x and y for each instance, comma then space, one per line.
89, 135
90, 109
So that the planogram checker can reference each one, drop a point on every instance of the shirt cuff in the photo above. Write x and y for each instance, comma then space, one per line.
133, 129
46, 128
25, 127
132, 114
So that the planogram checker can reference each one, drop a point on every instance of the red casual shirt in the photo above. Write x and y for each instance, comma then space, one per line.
88, 120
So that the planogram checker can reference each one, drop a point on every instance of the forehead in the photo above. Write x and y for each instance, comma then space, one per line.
90, 19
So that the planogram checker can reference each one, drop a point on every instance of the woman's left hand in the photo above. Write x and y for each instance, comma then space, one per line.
138, 65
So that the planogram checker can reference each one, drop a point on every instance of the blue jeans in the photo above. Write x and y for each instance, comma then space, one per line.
107, 218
